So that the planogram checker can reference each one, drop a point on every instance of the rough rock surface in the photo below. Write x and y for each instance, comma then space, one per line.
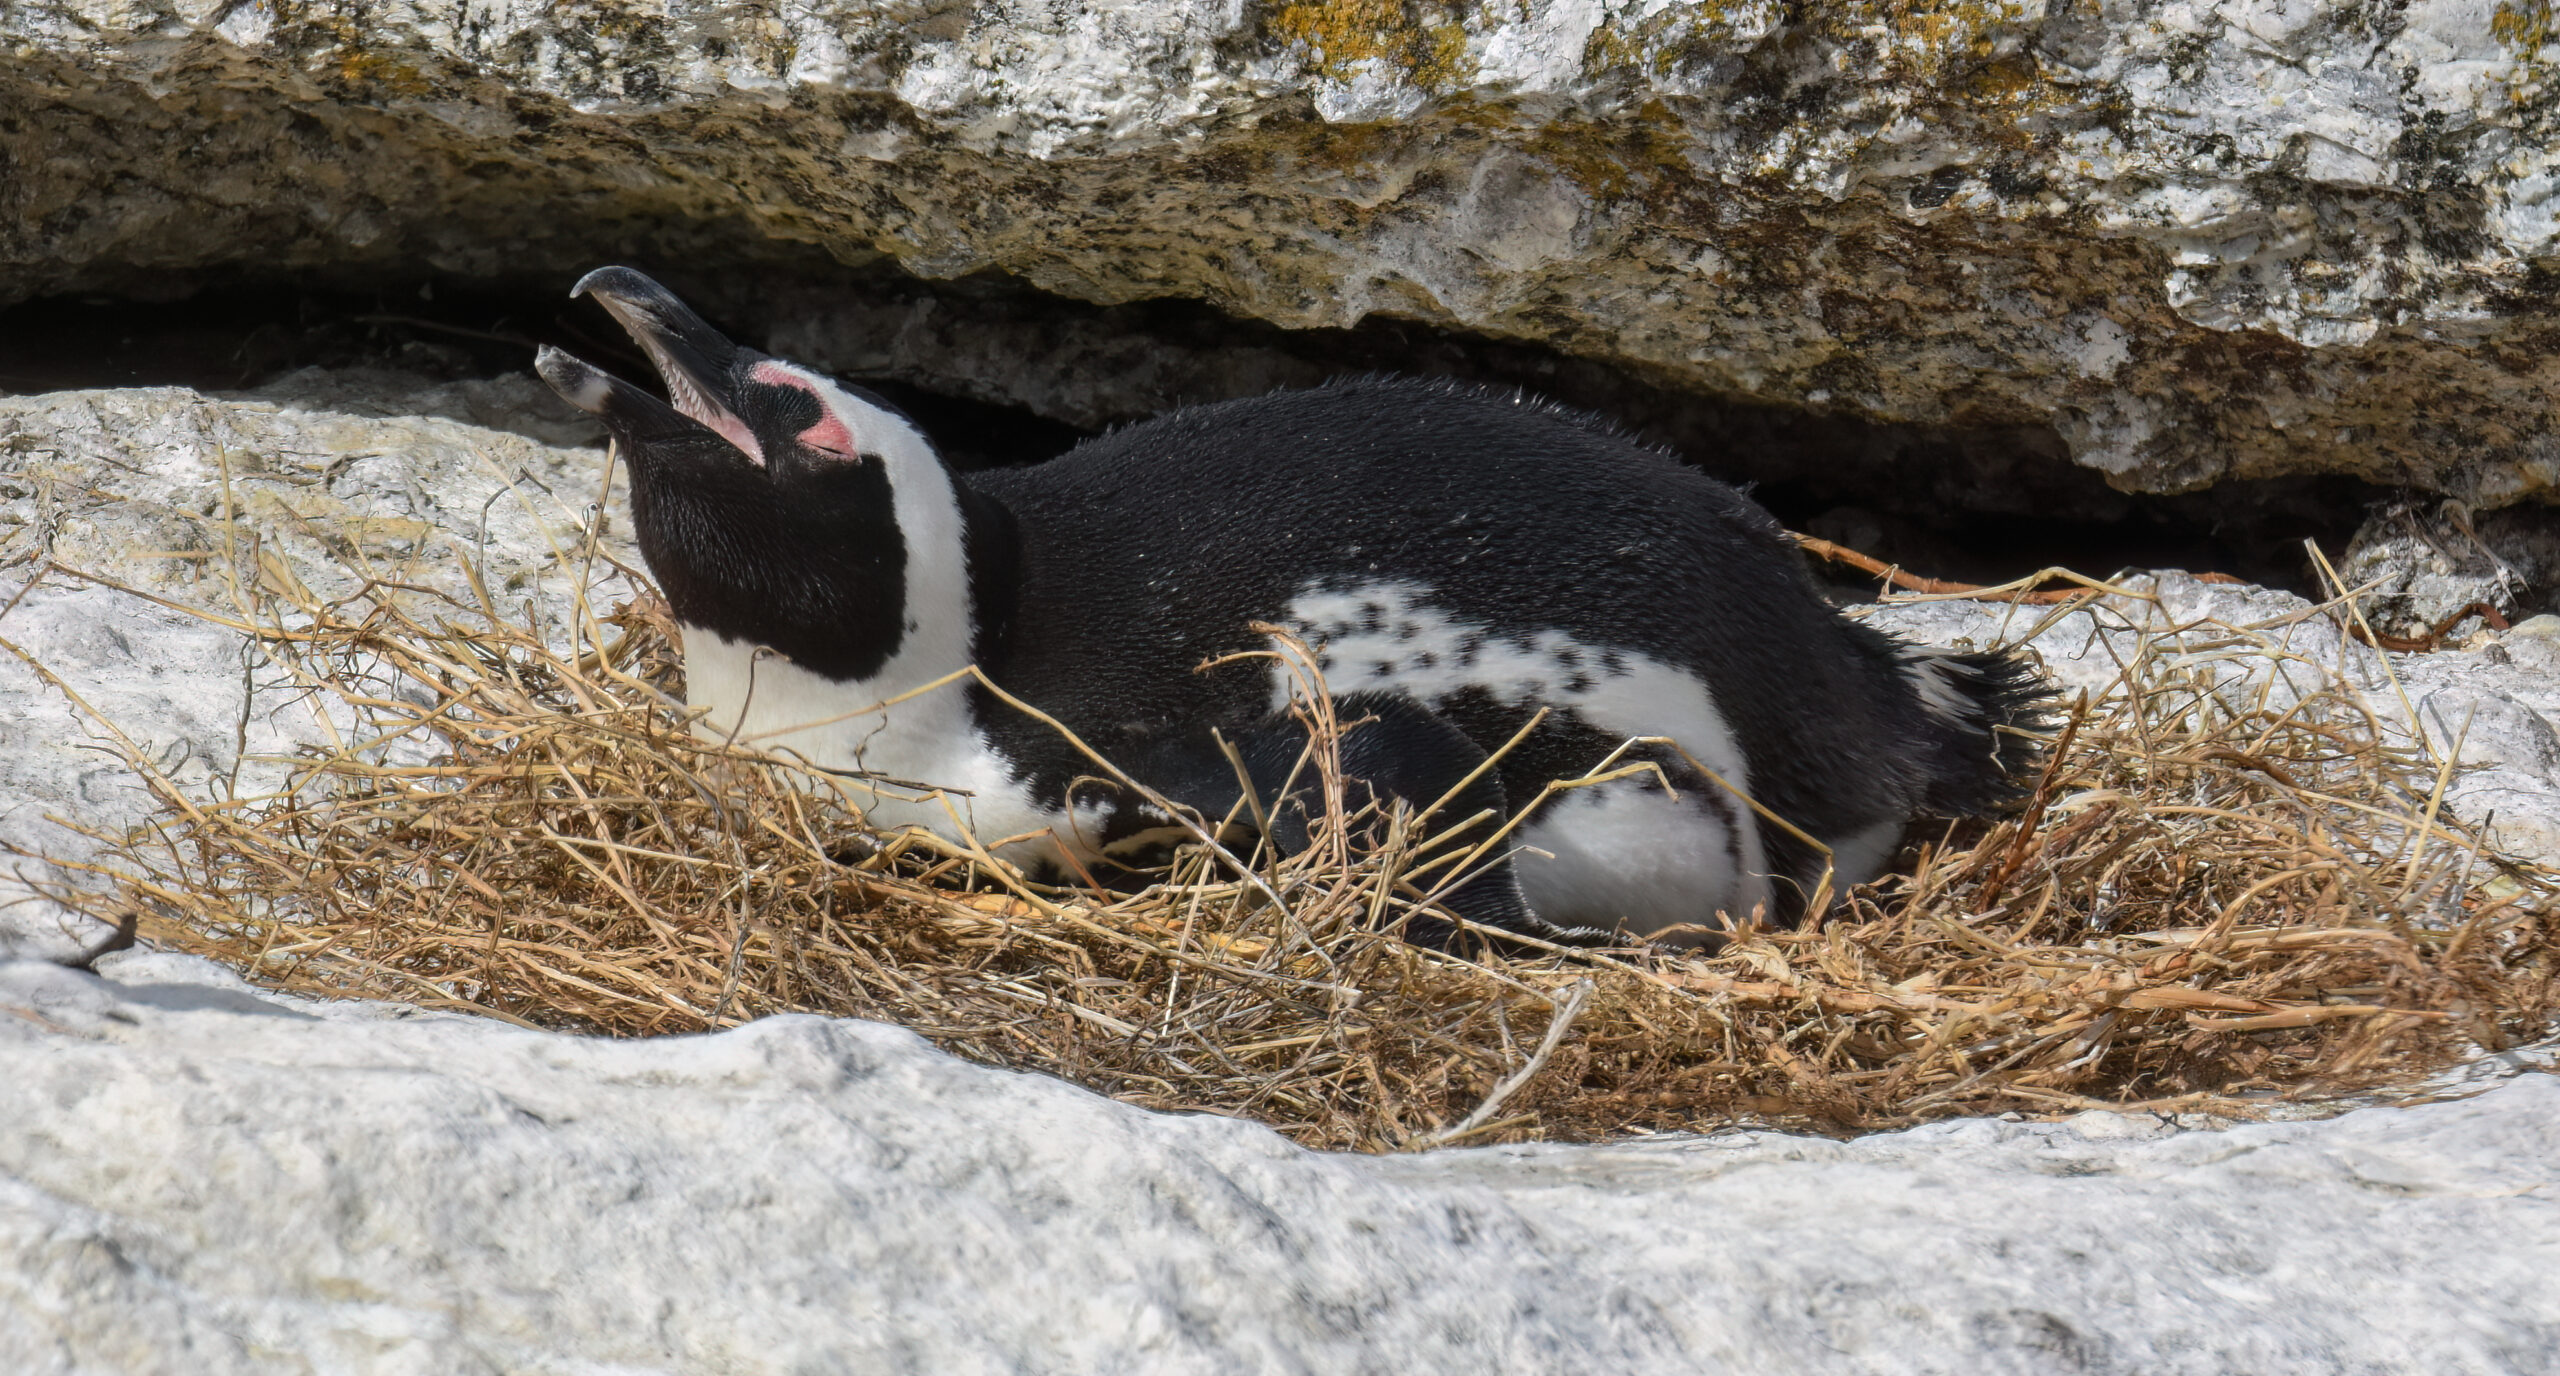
2492, 710
2425, 566
2201, 239
197, 1177
161, 490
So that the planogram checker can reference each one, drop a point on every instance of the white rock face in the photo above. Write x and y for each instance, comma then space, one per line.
199, 1178
2201, 239
2494, 711
146, 487
2425, 567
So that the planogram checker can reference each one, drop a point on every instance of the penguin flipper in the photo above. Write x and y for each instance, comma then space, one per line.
1405, 752
1394, 749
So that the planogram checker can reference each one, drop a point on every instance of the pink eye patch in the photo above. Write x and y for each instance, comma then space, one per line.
829, 435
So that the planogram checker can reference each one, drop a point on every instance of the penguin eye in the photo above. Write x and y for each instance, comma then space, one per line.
831, 438
796, 409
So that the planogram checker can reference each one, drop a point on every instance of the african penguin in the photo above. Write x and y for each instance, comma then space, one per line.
1461, 559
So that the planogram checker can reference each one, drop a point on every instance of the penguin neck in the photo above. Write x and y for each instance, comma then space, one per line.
743, 563
937, 619
805, 600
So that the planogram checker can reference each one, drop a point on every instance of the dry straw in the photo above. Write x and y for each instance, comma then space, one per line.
2227, 891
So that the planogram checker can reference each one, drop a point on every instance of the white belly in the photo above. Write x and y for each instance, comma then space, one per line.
1627, 855
1859, 857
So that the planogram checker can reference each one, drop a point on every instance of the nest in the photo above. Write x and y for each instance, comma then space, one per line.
2217, 899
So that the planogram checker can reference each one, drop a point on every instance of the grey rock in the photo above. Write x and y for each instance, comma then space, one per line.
193, 1183
519, 403
2199, 241
172, 495
2491, 710
2424, 565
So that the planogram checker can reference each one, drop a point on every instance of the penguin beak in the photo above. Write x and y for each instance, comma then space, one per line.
697, 363
645, 426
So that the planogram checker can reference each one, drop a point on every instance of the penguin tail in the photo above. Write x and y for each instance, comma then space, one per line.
1987, 714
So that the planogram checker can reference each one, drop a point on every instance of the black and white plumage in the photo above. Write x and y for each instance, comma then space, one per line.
1461, 558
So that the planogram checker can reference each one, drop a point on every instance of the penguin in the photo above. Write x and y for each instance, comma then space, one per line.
1480, 575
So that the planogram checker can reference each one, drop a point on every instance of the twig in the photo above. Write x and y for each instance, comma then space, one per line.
1568, 1006
2021, 591
2433, 640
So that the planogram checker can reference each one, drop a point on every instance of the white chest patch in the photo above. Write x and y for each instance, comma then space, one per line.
928, 742
1622, 853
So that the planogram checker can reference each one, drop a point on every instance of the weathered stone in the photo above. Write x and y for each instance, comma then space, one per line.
2493, 711
2201, 241
200, 1178
168, 493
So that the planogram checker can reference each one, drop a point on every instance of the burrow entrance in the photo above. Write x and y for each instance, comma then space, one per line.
1001, 373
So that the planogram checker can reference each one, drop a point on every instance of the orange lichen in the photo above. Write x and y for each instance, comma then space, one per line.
2525, 26
2529, 29
1426, 44
1612, 163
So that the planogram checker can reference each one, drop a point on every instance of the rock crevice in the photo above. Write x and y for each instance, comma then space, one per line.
2199, 241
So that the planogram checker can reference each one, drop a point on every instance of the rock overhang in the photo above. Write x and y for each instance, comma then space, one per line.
2199, 242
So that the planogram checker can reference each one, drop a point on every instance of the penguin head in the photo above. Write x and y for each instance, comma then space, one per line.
765, 495
726, 404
